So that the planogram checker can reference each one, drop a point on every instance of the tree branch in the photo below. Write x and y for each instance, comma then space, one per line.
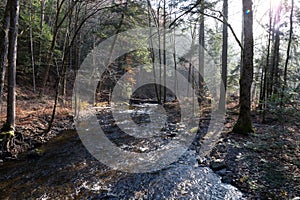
229, 26
212, 16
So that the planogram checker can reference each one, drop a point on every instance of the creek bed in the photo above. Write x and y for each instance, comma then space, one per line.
63, 168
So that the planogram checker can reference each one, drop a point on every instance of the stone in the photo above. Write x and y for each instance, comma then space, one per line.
217, 165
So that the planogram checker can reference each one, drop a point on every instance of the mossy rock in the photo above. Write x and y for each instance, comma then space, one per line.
194, 130
36, 153
6, 135
10, 133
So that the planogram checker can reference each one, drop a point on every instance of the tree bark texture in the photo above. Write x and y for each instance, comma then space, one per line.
244, 124
4, 48
12, 62
222, 102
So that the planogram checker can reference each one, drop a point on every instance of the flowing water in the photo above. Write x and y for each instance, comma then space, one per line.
64, 169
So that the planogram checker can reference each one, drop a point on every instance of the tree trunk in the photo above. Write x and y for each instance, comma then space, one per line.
32, 49
49, 61
264, 91
242, 43
42, 17
159, 55
273, 85
69, 63
67, 51
287, 55
275, 64
164, 52
152, 52
265, 71
175, 61
77, 52
222, 102
244, 124
64, 55
191, 71
4, 49
201, 49
57, 25
254, 88
12, 62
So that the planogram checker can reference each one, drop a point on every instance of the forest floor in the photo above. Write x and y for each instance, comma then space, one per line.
33, 116
264, 165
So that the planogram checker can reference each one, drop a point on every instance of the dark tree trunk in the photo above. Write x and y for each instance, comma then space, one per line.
42, 14
152, 53
265, 71
42, 17
265, 81
222, 102
201, 48
275, 65
159, 55
4, 48
242, 43
274, 73
77, 52
244, 124
32, 48
164, 53
287, 55
49, 60
12, 62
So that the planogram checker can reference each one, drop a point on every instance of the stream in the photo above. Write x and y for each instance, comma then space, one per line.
64, 169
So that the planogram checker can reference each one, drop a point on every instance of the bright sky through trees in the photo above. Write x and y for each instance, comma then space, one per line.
261, 17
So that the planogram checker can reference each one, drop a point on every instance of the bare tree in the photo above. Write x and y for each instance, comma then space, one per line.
67, 50
59, 20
